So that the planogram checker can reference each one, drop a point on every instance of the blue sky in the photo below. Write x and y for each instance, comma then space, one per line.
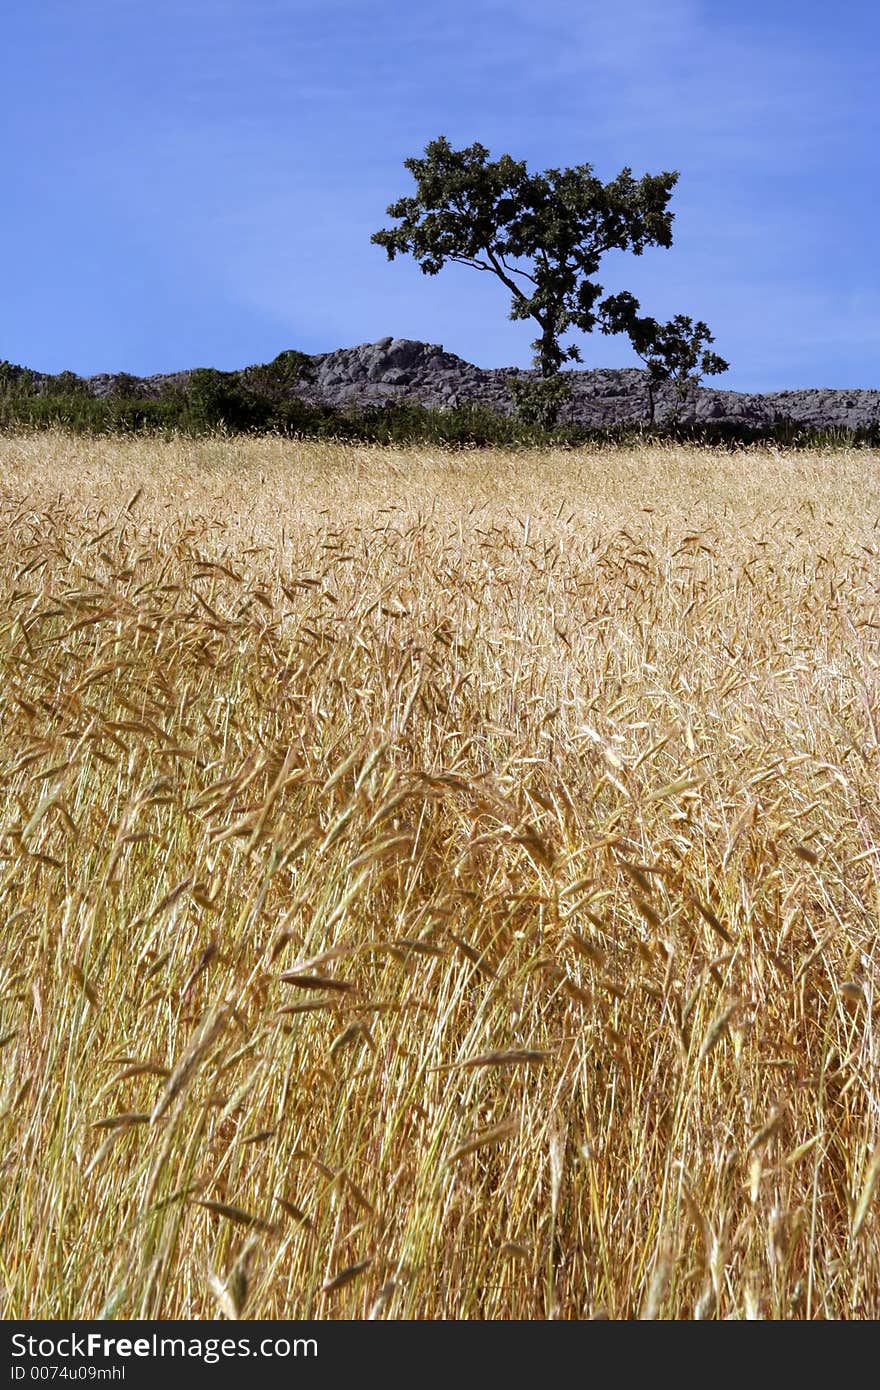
195, 182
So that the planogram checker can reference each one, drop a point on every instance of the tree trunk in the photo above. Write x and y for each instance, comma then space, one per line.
549, 366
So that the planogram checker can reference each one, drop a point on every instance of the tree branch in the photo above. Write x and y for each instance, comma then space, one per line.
515, 270
473, 263
503, 276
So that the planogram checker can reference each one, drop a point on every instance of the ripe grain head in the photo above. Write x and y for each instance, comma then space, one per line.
454, 855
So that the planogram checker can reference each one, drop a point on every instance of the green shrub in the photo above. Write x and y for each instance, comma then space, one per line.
67, 384
278, 379
263, 399
216, 400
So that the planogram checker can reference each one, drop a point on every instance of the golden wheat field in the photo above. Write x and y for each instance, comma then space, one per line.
438, 885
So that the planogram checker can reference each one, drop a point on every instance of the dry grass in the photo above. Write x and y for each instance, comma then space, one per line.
438, 886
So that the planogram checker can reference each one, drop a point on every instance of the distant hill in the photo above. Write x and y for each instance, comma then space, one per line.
399, 370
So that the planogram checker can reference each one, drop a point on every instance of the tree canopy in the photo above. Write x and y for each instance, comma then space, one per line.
541, 234
675, 352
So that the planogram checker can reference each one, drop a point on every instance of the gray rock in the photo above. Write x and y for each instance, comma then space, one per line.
403, 370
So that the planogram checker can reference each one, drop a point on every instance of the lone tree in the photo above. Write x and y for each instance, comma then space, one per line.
543, 236
674, 352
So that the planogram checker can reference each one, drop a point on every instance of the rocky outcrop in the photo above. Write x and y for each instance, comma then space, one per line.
401, 370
